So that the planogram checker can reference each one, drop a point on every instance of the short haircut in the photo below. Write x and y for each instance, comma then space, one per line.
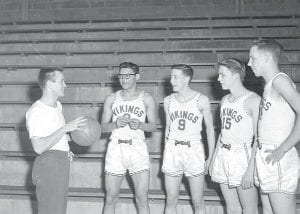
46, 74
130, 65
234, 66
186, 69
269, 45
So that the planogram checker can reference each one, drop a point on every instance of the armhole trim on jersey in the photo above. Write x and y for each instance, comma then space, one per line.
223, 99
247, 96
221, 104
142, 98
284, 74
281, 98
198, 95
115, 98
118, 95
169, 102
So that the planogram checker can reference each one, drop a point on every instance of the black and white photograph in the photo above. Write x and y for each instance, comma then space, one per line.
149, 106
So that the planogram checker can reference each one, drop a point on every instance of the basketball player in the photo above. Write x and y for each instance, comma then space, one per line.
184, 150
124, 115
47, 131
233, 163
278, 128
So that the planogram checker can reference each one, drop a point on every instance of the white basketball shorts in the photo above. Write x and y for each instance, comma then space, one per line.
280, 177
184, 157
230, 164
123, 155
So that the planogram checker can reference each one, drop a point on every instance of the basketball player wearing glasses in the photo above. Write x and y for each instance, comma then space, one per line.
48, 134
124, 115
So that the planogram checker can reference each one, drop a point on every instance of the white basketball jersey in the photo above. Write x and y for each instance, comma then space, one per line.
236, 124
185, 119
276, 119
132, 109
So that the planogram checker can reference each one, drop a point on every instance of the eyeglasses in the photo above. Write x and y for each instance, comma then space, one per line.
125, 76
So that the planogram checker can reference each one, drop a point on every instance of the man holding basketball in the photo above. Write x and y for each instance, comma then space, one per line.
48, 134
278, 129
124, 115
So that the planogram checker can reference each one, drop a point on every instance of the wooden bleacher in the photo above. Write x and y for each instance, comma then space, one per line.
90, 51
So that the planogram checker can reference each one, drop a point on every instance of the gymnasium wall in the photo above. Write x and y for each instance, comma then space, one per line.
89, 39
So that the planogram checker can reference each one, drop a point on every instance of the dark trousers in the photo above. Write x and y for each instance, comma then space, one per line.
50, 174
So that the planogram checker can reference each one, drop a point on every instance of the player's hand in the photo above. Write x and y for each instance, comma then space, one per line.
134, 124
76, 124
248, 180
275, 155
121, 122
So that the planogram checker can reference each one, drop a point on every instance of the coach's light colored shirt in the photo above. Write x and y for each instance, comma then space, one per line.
43, 120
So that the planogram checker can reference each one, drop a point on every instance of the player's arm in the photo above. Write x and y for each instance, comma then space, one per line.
106, 124
252, 107
284, 86
151, 124
204, 106
218, 144
42, 144
166, 109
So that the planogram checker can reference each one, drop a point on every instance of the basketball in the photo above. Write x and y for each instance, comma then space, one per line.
89, 134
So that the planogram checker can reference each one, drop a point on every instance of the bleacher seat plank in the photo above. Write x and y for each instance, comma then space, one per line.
107, 59
99, 59
237, 33
192, 22
134, 46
